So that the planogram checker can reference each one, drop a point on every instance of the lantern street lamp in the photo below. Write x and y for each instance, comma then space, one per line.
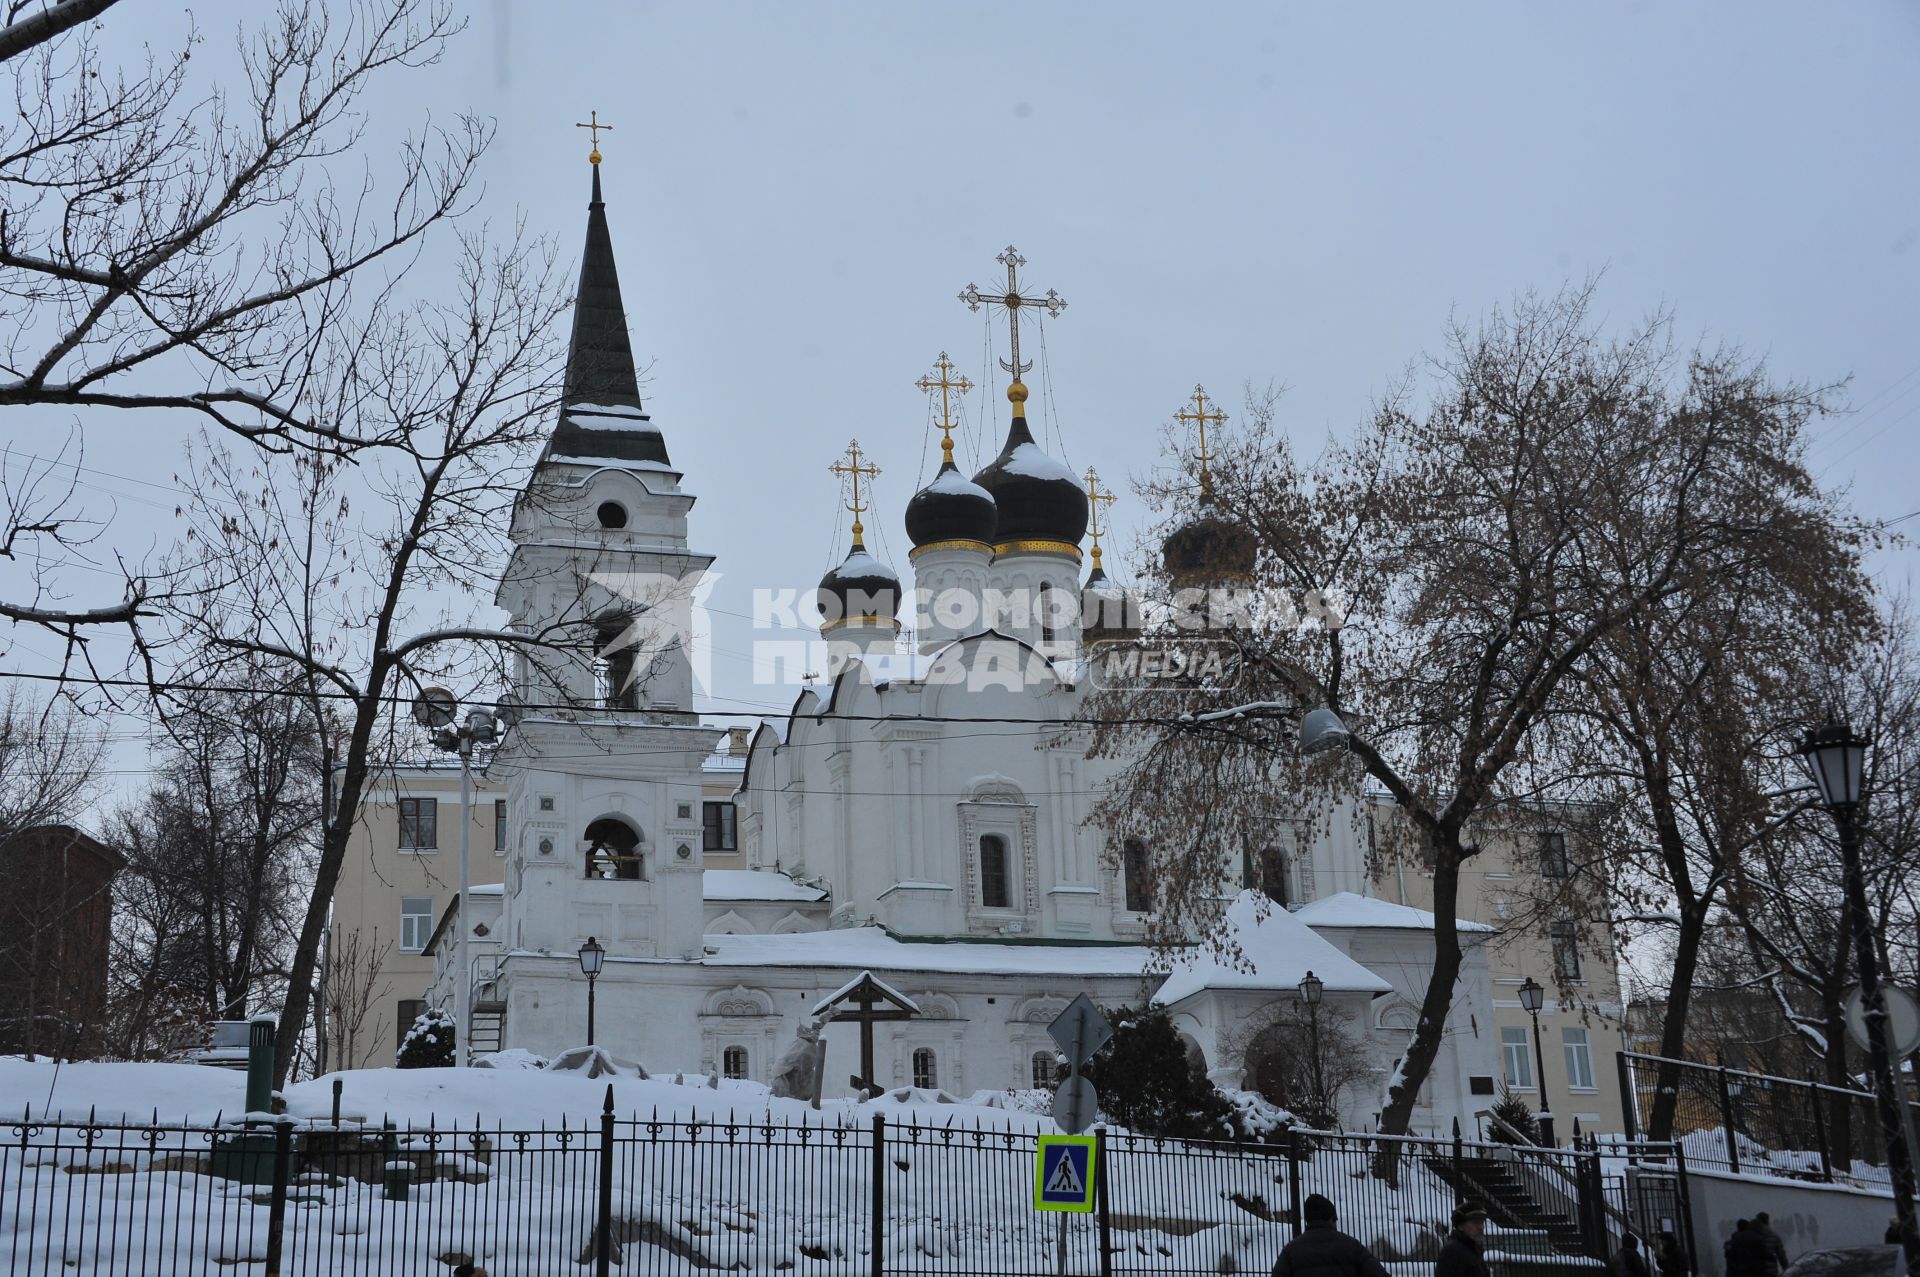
1837, 759
592, 955
1532, 998
435, 709
1311, 988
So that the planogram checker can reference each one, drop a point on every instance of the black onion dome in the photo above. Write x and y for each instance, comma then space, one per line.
951, 508
1107, 610
1208, 550
861, 588
1037, 497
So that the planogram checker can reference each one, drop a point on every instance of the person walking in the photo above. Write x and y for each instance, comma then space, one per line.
1628, 1261
1672, 1262
1748, 1254
1464, 1254
1321, 1250
1763, 1224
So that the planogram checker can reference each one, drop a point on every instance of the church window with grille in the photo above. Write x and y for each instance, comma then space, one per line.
1046, 1070
1136, 876
1273, 875
733, 1063
926, 1069
1048, 630
996, 888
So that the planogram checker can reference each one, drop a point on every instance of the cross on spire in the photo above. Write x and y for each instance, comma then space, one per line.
1198, 415
853, 468
594, 128
948, 385
1096, 497
1013, 301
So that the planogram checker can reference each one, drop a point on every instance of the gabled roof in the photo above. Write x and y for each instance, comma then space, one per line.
1276, 950
1346, 909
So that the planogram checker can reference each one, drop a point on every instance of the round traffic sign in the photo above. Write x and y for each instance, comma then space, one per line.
1903, 1020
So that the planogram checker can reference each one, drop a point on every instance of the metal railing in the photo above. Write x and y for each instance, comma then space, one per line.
650, 1195
1757, 1123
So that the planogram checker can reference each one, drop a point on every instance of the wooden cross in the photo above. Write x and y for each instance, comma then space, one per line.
594, 128
853, 467
947, 385
1096, 497
1012, 301
1199, 416
874, 1003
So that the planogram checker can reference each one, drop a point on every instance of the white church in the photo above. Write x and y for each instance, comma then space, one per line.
951, 859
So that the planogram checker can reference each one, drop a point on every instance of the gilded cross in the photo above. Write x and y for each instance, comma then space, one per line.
853, 468
948, 385
594, 128
1096, 497
1013, 301
1198, 415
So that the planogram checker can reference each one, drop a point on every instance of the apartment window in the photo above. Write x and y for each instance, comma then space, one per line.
733, 1062
1553, 856
1136, 876
499, 826
1566, 951
1516, 1063
995, 889
1579, 1058
416, 922
419, 824
405, 1013
1045, 1070
717, 826
926, 1070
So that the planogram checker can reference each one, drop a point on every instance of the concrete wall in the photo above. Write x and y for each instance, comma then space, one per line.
1807, 1216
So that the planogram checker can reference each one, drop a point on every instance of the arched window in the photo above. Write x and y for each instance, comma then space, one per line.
1273, 875
995, 890
1046, 1070
926, 1070
1048, 631
614, 850
615, 666
733, 1062
1136, 876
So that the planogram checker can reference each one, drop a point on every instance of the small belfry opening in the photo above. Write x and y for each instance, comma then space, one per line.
613, 851
611, 515
616, 675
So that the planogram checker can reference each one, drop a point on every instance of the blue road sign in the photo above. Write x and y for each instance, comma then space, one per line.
1063, 1173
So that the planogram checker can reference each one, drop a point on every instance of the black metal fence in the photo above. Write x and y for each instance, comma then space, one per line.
654, 1196
1755, 1122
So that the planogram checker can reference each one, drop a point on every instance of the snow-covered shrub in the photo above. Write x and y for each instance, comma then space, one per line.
429, 1043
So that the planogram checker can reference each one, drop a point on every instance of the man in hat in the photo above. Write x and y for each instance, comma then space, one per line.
1463, 1255
1321, 1250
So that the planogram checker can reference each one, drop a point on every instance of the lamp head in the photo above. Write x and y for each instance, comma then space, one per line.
482, 727
434, 707
592, 956
1532, 995
1322, 730
1311, 987
1837, 759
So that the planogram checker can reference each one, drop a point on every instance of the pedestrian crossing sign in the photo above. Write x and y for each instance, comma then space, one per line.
1063, 1173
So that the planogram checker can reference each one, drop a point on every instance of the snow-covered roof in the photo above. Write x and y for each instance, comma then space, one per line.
886, 990
1346, 909
487, 888
872, 948
1278, 950
755, 884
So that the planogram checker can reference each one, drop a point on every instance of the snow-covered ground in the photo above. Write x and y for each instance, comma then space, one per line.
706, 1173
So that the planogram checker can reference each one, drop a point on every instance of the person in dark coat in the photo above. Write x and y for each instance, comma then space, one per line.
1748, 1254
1321, 1250
1628, 1261
1763, 1224
1672, 1262
1464, 1253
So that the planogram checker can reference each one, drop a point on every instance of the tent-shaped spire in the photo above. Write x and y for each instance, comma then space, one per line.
600, 416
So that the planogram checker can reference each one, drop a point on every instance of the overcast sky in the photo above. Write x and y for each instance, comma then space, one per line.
1223, 193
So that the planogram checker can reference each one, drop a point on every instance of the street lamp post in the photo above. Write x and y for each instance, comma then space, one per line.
1311, 987
1837, 759
592, 955
1532, 998
435, 708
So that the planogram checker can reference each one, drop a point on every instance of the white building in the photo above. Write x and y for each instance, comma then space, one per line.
922, 817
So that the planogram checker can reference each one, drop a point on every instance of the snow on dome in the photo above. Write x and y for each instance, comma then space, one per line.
861, 564
1029, 462
1347, 909
951, 483
1278, 947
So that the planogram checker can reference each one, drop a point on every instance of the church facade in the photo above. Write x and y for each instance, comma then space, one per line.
922, 815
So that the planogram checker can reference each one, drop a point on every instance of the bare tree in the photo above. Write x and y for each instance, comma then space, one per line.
1553, 487
1299, 1062
173, 240
355, 984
